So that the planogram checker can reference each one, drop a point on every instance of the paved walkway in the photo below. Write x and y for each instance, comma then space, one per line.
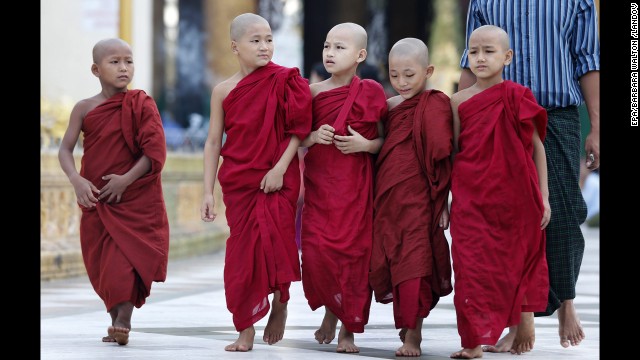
186, 318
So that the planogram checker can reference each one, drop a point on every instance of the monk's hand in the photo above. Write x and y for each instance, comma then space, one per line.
84, 191
444, 219
115, 187
273, 180
324, 135
546, 215
207, 210
351, 143
592, 146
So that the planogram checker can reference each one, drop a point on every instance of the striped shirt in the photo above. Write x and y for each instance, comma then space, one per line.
555, 42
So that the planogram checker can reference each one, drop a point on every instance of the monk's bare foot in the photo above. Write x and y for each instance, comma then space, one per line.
402, 334
474, 353
327, 331
504, 344
346, 343
412, 341
525, 334
120, 334
108, 339
569, 328
274, 331
244, 342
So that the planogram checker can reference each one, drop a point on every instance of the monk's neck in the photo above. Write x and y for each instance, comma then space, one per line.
338, 80
484, 84
246, 70
108, 93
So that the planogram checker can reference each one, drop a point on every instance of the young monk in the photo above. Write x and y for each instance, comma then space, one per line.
500, 202
265, 109
338, 178
124, 230
410, 260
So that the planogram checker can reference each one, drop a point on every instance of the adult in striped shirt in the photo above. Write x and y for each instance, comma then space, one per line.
556, 55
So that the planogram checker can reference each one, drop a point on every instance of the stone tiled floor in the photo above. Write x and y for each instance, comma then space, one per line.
186, 318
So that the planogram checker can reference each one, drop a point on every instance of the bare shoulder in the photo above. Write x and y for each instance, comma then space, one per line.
224, 88
394, 101
314, 88
84, 106
461, 96
317, 88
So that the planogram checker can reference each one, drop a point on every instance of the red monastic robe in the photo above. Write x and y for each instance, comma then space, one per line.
337, 214
262, 112
410, 261
498, 248
125, 245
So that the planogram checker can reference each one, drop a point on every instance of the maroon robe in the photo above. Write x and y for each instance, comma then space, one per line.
498, 248
262, 112
125, 245
410, 261
337, 214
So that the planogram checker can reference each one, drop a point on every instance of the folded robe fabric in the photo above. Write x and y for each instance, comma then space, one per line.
262, 112
411, 192
125, 245
498, 248
337, 216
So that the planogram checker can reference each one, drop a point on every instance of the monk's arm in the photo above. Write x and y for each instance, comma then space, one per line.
357, 143
211, 154
467, 78
376, 144
456, 124
324, 135
117, 184
540, 159
273, 180
83, 188
590, 86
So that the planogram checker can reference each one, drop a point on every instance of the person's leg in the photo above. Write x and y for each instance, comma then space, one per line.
346, 341
504, 344
412, 302
569, 329
525, 334
412, 341
274, 331
519, 339
465, 353
402, 334
244, 342
565, 242
122, 324
327, 331
110, 338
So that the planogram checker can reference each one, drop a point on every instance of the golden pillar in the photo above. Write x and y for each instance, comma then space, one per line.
218, 17
124, 30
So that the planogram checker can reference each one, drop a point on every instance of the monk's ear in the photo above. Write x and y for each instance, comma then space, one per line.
234, 47
362, 55
508, 57
429, 71
94, 70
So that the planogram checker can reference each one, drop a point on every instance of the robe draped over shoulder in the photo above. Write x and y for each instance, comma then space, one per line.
498, 248
411, 192
125, 245
262, 112
337, 216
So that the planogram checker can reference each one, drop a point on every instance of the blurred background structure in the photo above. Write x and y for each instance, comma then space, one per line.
181, 50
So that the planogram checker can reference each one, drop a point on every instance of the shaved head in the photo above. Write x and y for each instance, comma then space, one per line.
104, 47
500, 35
411, 47
241, 22
357, 32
